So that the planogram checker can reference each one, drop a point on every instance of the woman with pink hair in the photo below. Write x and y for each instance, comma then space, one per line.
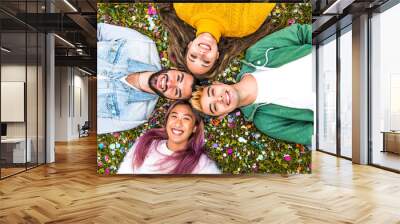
178, 148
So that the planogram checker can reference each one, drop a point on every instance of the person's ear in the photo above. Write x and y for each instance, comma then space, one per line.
194, 129
217, 55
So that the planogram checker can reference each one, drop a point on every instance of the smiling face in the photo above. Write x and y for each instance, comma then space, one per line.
202, 53
172, 84
180, 124
219, 99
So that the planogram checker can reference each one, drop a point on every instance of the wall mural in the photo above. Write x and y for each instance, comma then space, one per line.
179, 88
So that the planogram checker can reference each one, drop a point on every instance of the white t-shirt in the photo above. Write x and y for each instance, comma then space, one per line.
155, 155
290, 85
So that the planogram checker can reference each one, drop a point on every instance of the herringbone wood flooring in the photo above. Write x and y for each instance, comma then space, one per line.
70, 191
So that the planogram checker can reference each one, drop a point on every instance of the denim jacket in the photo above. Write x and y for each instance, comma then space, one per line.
122, 51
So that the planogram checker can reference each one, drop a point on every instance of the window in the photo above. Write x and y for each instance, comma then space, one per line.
327, 96
385, 89
22, 74
346, 74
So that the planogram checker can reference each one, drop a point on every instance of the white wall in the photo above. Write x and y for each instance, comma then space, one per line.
80, 115
13, 73
70, 84
33, 127
61, 103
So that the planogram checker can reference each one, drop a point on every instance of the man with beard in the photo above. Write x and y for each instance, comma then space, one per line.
130, 79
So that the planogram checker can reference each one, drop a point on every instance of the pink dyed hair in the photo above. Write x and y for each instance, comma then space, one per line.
186, 160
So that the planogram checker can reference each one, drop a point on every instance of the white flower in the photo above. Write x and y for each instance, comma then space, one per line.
242, 140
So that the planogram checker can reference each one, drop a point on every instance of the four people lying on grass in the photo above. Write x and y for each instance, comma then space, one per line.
273, 90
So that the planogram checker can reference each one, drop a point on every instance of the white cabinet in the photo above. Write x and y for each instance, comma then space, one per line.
18, 149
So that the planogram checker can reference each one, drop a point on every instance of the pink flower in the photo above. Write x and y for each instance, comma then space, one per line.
229, 151
116, 134
106, 158
287, 157
291, 21
107, 171
99, 164
151, 11
231, 125
255, 167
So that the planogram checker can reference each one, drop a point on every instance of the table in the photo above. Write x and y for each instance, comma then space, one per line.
18, 149
391, 141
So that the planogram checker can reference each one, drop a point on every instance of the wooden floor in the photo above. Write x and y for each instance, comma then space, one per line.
388, 159
5, 172
10, 171
69, 191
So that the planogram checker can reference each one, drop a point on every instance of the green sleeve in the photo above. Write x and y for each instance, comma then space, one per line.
290, 130
287, 130
295, 34
288, 124
281, 47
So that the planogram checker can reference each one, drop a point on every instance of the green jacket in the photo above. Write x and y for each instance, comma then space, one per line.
281, 47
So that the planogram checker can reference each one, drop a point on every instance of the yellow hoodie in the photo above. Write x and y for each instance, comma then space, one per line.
224, 19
